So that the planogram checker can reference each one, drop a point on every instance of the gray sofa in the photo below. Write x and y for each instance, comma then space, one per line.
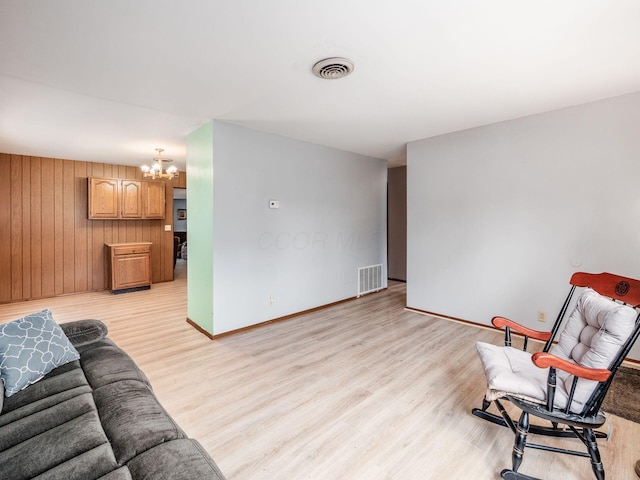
95, 418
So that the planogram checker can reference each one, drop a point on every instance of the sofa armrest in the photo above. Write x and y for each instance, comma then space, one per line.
84, 332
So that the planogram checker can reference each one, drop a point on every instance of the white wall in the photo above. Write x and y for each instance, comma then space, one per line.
331, 220
499, 217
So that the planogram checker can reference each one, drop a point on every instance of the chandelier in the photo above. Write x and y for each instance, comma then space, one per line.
156, 171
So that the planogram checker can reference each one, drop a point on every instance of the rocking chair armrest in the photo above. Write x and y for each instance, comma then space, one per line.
544, 360
500, 322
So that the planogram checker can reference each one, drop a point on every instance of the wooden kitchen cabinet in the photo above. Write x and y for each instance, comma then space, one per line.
129, 266
153, 195
131, 195
104, 198
115, 199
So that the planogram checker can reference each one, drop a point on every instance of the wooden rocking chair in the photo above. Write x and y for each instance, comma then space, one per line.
566, 383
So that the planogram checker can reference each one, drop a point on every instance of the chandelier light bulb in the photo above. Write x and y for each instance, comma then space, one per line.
156, 172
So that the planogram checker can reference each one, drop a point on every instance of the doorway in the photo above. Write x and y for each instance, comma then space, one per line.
397, 223
180, 213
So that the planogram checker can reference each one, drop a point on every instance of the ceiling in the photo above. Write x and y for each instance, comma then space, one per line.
109, 81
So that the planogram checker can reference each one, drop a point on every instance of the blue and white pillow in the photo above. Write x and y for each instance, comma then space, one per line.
31, 347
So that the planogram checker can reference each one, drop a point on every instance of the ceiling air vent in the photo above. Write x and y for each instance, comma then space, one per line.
332, 68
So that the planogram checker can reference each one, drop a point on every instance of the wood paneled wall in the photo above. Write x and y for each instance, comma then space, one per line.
48, 247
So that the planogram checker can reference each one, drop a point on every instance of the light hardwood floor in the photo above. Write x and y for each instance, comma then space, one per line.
361, 390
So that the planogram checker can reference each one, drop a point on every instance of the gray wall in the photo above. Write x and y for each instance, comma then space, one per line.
397, 223
331, 220
499, 217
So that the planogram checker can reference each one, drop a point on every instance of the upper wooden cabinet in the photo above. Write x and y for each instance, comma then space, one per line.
153, 195
131, 195
111, 198
104, 198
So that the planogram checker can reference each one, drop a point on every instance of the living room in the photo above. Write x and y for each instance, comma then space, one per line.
520, 155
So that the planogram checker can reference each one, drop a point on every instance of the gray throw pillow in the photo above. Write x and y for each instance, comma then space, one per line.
31, 347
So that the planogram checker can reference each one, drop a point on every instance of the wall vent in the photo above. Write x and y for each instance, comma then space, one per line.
369, 279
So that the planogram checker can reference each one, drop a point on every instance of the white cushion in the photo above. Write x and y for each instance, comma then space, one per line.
511, 371
592, 337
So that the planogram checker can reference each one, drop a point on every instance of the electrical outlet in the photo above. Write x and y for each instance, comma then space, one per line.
271, 300
542, 316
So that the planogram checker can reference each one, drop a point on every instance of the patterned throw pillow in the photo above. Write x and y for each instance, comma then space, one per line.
31, 347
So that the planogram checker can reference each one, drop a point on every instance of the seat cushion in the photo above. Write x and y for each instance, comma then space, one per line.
510, 371
65, 440
58, 386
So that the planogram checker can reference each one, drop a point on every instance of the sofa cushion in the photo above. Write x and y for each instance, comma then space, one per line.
133, 419
26, 427
59, 385
92, 464
176, 460
121, 473
30, 347
104, 363
63, 443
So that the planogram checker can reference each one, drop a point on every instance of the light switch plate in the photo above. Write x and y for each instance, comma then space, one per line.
167, 228
274, 204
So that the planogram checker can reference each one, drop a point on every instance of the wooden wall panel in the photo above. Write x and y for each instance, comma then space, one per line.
5, 229
58, 207
48, 247
26, 226
80, 203
35, 229
68, 219
16, 227
48, 228
167, 237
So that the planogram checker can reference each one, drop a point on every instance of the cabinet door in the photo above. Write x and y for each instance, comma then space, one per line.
153, 193
103, 198
131, 271
131, 199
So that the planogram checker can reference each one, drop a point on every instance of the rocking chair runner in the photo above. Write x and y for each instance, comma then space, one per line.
566, 383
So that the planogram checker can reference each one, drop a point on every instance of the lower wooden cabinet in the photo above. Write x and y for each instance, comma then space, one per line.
129, 266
